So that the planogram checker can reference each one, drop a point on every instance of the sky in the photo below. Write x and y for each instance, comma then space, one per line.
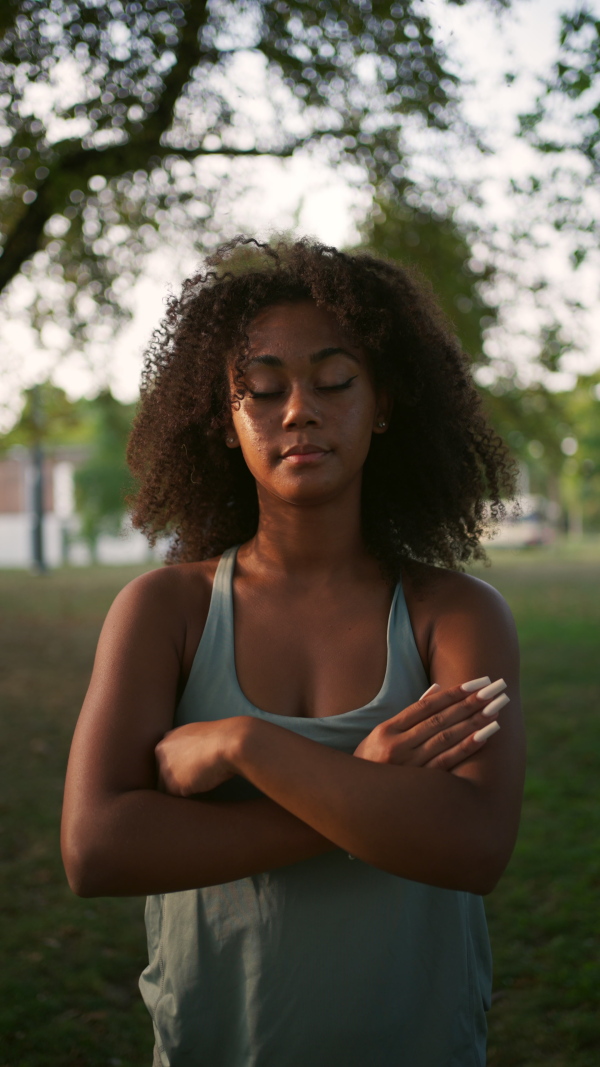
318, 202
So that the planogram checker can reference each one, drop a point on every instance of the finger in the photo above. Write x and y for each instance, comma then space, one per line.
450, 735
431, 703
463, 717
466, 748
436, 700
432, 689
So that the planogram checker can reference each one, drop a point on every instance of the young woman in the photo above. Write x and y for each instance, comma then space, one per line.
256, 752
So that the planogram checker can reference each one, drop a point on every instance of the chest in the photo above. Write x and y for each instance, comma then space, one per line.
311, 656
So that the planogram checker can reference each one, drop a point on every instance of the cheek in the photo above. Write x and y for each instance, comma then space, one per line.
254, 434
355, 423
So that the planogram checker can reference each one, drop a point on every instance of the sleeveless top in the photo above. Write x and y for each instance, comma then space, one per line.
328, 961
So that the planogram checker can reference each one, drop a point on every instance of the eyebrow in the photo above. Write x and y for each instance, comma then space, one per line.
316, 357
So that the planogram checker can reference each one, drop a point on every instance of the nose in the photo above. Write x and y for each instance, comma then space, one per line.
300, 409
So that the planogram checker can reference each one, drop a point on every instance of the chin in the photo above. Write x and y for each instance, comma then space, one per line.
309, 495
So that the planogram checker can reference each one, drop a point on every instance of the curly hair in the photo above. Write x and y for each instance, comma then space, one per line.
431, 484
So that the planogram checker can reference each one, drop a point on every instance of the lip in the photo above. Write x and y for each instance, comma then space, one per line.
302, 454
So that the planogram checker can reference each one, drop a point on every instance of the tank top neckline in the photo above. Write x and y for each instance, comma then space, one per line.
223, 588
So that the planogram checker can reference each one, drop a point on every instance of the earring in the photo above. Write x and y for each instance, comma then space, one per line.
231, 440
381, 425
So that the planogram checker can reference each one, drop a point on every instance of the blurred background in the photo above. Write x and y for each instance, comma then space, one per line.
460, 137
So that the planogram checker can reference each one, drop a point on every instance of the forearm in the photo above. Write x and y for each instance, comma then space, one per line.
144, 842
426, 825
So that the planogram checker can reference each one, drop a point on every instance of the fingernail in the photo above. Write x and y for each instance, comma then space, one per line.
475, 683
494, 707
492, 690
432, 689
486, 731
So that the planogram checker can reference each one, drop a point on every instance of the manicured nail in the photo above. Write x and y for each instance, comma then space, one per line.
432, 689
495, 705
492, 690
476, 683
486, 731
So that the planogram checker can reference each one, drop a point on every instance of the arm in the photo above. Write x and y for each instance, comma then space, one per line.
451, 830
119, 835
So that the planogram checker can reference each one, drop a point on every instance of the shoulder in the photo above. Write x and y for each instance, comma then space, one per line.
170, 596
450, 607
439, 592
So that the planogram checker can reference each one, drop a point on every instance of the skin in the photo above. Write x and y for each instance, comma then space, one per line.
419, 798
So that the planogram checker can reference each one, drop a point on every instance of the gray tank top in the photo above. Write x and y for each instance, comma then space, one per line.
328, 961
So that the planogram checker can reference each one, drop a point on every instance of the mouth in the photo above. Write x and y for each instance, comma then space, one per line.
299, 455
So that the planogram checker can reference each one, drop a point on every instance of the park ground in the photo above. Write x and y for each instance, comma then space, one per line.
68, 987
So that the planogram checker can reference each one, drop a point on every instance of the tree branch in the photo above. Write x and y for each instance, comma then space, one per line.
75, 167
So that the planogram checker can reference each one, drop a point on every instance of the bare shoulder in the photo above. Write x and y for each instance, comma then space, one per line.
172, 593
162, 612
451, 611
156, 622
438, 592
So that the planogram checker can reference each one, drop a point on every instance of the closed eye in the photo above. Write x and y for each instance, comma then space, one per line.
337, 388
322, 389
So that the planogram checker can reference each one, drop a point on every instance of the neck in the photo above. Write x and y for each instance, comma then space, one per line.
310, 540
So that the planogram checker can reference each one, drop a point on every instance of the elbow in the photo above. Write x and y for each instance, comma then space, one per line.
81, 872
85, 866
487, 867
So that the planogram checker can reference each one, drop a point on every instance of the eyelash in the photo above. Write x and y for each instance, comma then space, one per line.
322, 388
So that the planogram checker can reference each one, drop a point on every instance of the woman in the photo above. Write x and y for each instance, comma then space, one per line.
255, 751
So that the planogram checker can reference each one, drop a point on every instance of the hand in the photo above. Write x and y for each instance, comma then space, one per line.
198, 757
440, 729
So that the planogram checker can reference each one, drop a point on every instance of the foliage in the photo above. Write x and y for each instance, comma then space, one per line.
439, 249
103, 480
575, 78
110, 110
47, 416
99, 428
564, 126
580, 475
556, 436
535, 420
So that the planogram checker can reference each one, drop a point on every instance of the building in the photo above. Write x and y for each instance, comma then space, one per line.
62, 544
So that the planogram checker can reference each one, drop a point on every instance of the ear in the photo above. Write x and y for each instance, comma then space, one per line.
383, 413
231, 438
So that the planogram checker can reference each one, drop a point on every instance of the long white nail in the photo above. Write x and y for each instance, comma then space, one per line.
492, 690
486, 731
476, 683
495, 705
432, 689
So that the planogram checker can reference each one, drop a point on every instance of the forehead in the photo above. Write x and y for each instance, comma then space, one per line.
294, 326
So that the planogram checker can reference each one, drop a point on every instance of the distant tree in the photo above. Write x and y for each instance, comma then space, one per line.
580, 474
103, 480
440, 249
99, 428
48, 416
91, 174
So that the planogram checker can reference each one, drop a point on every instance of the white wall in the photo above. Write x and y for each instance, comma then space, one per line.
16, 544
16, 540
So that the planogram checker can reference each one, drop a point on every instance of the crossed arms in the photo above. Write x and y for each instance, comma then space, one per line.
419, 798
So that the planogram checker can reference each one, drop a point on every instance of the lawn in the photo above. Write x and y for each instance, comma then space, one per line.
68, 993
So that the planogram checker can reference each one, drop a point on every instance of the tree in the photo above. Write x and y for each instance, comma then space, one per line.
99, 429
143, 93
439, 248
47, 415
564, 126
103, 481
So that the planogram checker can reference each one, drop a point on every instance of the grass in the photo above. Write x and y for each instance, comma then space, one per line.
68, 996
544, 918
